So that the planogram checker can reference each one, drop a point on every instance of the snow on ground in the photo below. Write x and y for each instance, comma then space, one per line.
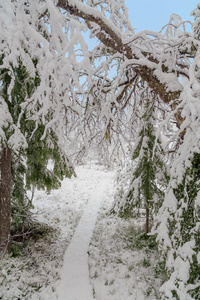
58, 261
119, 269
75, 272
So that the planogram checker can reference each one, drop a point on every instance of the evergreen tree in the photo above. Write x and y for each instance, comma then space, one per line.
178, 221
178, 234
187, 232
30, 163
149, 178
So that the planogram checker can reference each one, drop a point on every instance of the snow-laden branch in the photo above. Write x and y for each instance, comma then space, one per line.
36, 37
147, 47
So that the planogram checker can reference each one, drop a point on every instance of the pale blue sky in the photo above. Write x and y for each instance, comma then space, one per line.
153, 14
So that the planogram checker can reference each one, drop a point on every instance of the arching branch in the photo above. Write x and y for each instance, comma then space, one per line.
112, 38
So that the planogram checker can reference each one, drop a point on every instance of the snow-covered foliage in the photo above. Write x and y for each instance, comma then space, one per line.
178, 220
177, 228
45, 41
88, 98
147, 175
52, 46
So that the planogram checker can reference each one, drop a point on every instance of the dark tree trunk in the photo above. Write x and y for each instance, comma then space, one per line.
147, 221
5, 200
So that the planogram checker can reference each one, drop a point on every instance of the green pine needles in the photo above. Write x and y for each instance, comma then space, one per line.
30, 165
39, 153
149, 177
185, 232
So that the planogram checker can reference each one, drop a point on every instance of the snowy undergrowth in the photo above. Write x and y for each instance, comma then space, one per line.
119, 269
34, 269
34, 273
123, 265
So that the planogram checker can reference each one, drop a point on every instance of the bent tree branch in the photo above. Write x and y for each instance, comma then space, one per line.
111, 37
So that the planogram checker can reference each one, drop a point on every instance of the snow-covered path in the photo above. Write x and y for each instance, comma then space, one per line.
118, 270
75, 282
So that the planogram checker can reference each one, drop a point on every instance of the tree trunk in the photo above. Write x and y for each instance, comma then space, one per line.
5, 200
147, 221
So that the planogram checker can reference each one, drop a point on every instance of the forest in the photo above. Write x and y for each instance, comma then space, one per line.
131, 99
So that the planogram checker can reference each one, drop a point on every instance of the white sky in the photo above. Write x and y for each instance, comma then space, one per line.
153, 14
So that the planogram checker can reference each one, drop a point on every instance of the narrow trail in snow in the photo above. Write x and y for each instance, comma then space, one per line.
75, 282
